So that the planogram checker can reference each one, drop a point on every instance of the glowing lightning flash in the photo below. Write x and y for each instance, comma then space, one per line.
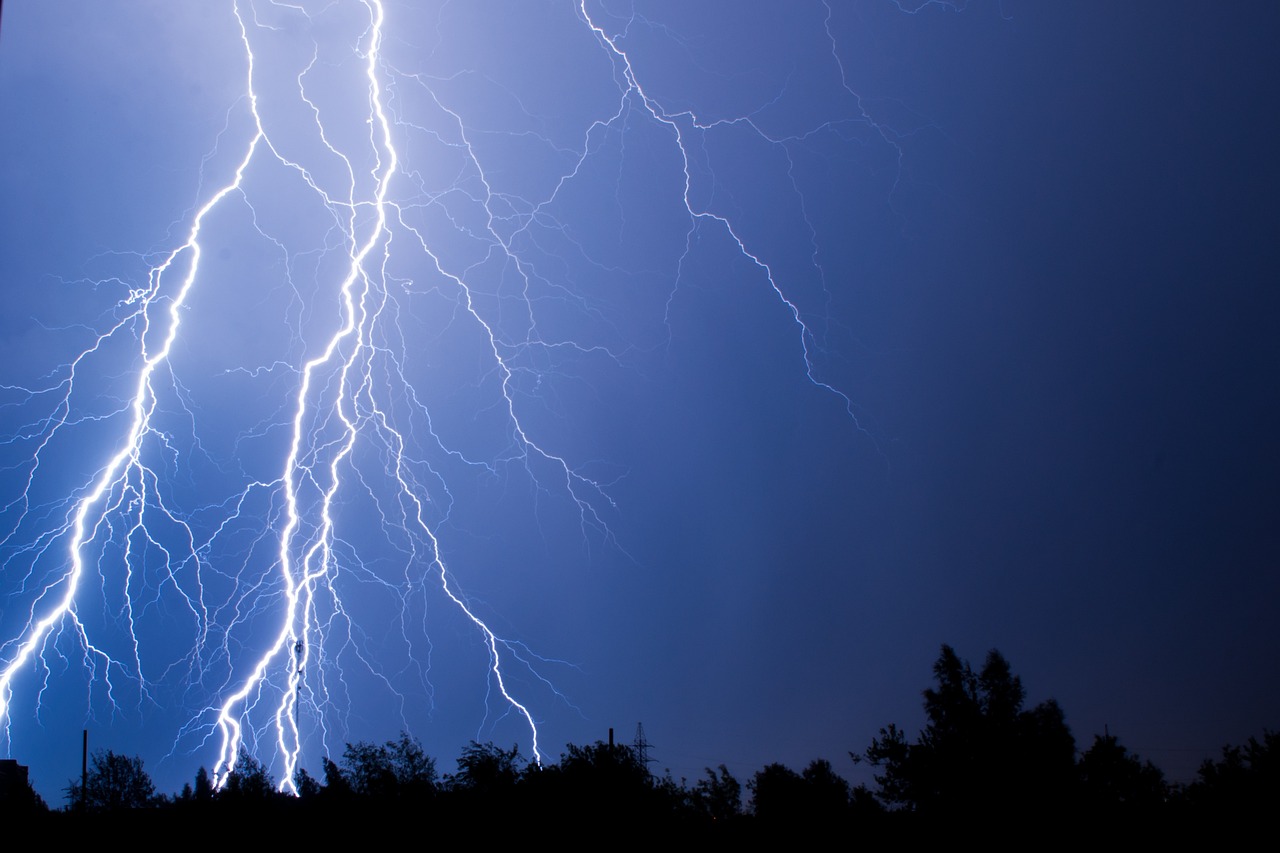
347, 406
344, 368
91, 510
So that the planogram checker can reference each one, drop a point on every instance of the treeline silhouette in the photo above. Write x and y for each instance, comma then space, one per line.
983, 760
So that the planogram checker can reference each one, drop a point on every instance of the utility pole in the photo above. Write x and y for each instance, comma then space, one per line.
84, 772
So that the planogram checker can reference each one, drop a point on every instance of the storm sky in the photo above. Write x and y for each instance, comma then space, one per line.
1032, 406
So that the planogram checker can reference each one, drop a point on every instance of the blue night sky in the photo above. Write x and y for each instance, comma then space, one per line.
727, 385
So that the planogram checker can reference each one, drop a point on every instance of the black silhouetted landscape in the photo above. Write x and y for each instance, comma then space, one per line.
985, 767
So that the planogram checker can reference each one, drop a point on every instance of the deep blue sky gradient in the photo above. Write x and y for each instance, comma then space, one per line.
1050, 247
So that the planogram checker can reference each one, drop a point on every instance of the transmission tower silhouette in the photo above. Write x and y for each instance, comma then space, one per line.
641, 746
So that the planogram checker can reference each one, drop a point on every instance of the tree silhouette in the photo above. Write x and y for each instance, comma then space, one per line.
594, 787
781, 795
249, 785
606, 766
486, 768
114, 783
827, 793
204, 786
979, 749
307, 786
395, 770
719, 795
1114, 779
337, 787
1244, 783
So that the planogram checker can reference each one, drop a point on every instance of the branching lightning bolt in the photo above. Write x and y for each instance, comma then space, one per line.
353, 402
342, 370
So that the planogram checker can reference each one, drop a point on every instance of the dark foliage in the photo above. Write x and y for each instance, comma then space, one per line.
597, 786
486, 769
777, 792
114, 783
398, 770
1245, 782
980, 751
249, 786
1115, 781
718, 796
606, 775
307, 786
982, 757
816, 795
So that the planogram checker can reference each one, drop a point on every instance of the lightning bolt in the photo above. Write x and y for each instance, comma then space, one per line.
259, 577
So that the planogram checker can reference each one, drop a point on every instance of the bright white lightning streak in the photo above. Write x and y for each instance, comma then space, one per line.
127, 459
300, 582
299, 572
335, 392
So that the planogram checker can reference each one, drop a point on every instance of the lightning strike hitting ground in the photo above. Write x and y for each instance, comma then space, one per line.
406, 245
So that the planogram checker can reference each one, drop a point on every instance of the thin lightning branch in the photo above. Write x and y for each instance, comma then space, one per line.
261, 576
89, 515
329, 381
316, 564
678, 124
